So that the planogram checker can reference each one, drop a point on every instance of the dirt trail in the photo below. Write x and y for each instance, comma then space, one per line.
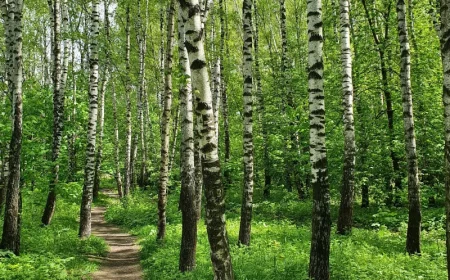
122, 261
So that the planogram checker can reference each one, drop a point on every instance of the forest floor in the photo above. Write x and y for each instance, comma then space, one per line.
122, 261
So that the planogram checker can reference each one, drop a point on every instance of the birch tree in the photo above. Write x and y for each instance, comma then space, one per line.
58, 109
247, 193
89, 169
128, 167
215, 200
188, 202
165, 121
414, 216
321, 221
345, 220
445, 55
12, 15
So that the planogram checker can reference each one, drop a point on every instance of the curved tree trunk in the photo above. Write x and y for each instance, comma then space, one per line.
345, 219
215, 200
165, 131
321, 221
86, 201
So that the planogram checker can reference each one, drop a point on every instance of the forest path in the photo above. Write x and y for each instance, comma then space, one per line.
122, 261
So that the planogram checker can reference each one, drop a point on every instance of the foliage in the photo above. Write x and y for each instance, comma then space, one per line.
55, 251
281, 241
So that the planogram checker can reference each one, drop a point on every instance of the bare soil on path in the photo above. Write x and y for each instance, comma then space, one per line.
122, 261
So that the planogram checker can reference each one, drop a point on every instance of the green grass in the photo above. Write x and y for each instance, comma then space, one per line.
281, 241
55, 251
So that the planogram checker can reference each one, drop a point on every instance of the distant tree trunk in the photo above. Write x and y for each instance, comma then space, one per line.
128, 175
223, 93
12, 15
141, 100
86, 201
247, 193
321, 221
388, 97
188, 202
58, 110
165, 122
217, 94
445, 55
134, 150
262, 109
176, 122
345, 219
100, 134
415, 216
101, 115
117, 174
215, 200
72, 150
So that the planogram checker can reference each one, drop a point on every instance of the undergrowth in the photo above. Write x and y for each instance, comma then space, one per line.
54, 251
281, 241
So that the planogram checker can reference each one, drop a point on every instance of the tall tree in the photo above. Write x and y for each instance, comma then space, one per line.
215, 199
262, 109
321, 221
445, 55
188, 201
86, 201
117, 174
58, 109
101, 109
247, 193
344, 224
142, 42
415, 216
128, 175
12, 15
165, 122
381, 45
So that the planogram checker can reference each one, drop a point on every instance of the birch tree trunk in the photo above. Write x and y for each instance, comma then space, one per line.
100, 133
188, 202
176, 122
321, 221
414, 216
141, 104
12, 15
86, 201
58, 110
117, 174
445, 55
345, 219
223, 93
215, 200
247, 193
262, 110
165, 121
101, 115
128, 89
